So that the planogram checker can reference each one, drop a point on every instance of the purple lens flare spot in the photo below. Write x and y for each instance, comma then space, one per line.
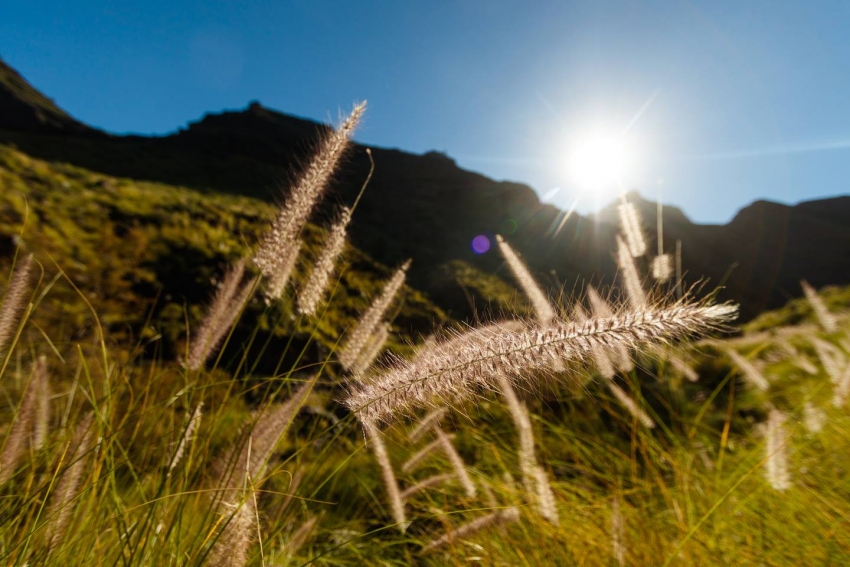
480, 244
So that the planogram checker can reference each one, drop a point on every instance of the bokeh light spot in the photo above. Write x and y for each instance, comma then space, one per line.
509, 226
480, 244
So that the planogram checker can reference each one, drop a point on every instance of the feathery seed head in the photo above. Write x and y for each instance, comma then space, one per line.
186, 438
631, 406
272, 424
599, 306
813, 418
617, 533
776, 467
546, 503
600, 357
683, 367
371, 350
68, 486
458, 369
425, 484
221, 313
833, 360
662, 267
630, 223
630, 276
842, 388
317, 283
542, 308
376, 441
620, 356
427, 422
283, 234
276, 282
232, 548
457, 462
22, 429
751, 374
526, 453
503, 516
14, 300
41, 423
371, 318
416, 459
824, 317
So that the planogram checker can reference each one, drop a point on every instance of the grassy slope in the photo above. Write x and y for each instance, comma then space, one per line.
692, 490
144, 253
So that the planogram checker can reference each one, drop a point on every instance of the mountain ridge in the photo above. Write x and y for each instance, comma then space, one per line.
426, 207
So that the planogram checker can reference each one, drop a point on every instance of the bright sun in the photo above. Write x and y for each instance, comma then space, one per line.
599, 162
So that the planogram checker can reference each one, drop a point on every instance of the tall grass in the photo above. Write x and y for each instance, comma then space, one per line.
118, 454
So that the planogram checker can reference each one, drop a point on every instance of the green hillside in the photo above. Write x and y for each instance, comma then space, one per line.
145, 256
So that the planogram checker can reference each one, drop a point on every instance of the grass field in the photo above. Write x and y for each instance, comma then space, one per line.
255, 459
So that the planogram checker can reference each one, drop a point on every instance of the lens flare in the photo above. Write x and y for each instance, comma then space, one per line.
480, 244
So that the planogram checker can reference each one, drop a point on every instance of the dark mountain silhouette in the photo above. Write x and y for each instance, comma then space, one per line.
22, 107
427, 208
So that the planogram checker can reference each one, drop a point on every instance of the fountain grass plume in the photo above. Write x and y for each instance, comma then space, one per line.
459, 369
316, 286
233, 544
618, 531
59, 511
457, 462
526, 453
795, 357
822, 314
371, 350
546, 504
426, 483
776, 465
542, 307
276, 283
280, 240
750, 373
371, 318
426, 423
662, 267
300, 536
420, 455
534, 478
376, 442
221, 312
14, 301
630, 223
271, 425
41, 423
814, 418
631, 406
603, 364
683, 367
498, 517
804, 364
600, 308
22, 429
187, 437
630, 277
833, 360
250, 459
842, 388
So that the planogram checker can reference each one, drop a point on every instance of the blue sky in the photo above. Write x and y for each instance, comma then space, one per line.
723, 102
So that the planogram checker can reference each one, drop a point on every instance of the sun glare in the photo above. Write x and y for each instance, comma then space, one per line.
599, 162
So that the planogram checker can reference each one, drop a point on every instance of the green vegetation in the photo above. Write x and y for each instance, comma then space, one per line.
128, 267
146, 256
